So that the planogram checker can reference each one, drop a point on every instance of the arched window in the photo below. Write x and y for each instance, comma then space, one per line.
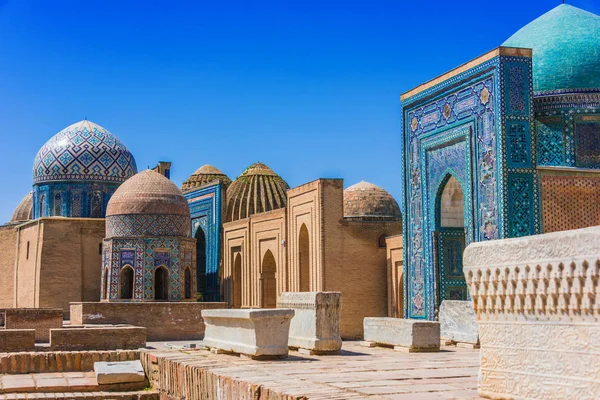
188, 283
126, 283
268, 280
237, 281
76, 205
43, 211
96, 205
381, 241
57, 205
161, 284
304, 259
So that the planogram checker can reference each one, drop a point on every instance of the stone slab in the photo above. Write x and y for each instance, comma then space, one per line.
253, 332
119, 372
458, 322
316, 322
415, 335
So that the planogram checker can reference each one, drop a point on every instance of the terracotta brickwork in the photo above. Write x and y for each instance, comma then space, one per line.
162, 320
40, 319
395, 276
60, 361
8, 239
570, 201
314, 248
100, 338
58, 261
16, 340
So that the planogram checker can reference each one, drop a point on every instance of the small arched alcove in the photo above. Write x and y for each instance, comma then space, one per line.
268, 280
304, 259
125, 283
161, 283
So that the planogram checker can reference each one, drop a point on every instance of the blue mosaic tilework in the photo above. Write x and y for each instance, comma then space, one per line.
206, 212
551, 146
147, 225
76, 199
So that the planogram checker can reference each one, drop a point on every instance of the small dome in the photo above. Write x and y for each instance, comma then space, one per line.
370, 202
257, 189
203, 175
83, 151
23, 212
566, 49
148, 204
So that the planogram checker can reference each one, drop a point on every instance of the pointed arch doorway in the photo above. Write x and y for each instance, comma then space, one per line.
449, 240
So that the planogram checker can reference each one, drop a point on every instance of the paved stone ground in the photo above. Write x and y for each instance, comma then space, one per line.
358, 372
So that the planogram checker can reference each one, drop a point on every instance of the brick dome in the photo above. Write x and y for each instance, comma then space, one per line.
366, 201
23, 212
203, 175
148, 204
257, 189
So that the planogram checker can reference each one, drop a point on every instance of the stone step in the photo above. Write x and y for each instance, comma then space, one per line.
135, 395
61, 382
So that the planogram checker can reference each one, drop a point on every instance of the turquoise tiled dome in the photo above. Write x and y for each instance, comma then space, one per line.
566, 49
83, 151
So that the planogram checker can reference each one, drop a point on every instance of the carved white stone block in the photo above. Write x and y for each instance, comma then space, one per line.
458, 322
410, 334
316, 323
258, 333
537, 303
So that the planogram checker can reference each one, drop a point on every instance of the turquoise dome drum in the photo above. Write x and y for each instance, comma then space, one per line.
83, 151
76, 172
566, 49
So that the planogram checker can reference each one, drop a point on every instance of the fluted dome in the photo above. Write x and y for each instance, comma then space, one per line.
23, 212
257, 189
566, 48
83, 151
203, 175
370, 202
148, 204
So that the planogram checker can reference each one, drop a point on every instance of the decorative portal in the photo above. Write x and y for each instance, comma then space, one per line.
268, 281
304, 259
201, 261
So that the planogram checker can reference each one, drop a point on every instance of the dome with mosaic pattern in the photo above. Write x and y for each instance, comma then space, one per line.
566, 49
148, 204
257, 189
366, 201
203, 175
83, 151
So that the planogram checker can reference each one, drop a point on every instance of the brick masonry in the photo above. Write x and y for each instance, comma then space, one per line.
60, 361
40, 319
17, 340
100, 338
163, 321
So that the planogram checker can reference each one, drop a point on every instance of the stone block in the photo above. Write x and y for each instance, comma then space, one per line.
410, 334
12, 340
316, 323
98, 338
259, 333
108, 373
458, 322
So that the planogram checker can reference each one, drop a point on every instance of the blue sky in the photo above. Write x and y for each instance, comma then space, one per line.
310, 88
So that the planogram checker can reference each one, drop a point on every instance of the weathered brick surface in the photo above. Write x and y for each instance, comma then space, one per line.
101, 338
40, 319
162, 320
17, 340
8, 240
60, 361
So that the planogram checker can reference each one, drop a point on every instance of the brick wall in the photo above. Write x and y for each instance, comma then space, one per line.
8, 251
17, 340
40, 319
570, 201
60, 361
100, 338
163, 321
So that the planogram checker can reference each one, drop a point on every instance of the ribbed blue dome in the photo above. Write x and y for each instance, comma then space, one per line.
566, 48
83, 151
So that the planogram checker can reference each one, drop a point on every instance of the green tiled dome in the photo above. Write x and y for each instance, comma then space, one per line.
566, 48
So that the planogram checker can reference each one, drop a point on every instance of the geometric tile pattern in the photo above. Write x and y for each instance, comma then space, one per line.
587, 143
146, 225
83, 151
